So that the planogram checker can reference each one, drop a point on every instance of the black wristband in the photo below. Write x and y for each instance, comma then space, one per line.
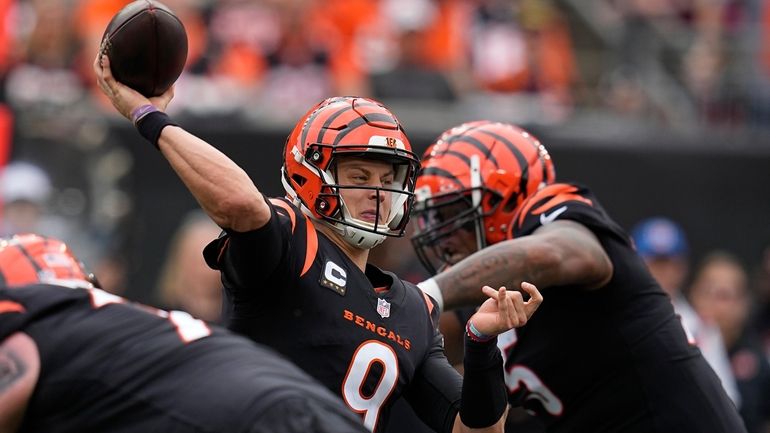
151, 125
484, 394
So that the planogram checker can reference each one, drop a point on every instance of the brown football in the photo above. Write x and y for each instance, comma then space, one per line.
147, 46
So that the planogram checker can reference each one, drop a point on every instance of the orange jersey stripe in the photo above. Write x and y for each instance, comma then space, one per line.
559, 193
11, 307
222, 250
287, 208
428, 302
312, 245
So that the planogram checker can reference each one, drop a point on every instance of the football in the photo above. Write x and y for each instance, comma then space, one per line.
147, 47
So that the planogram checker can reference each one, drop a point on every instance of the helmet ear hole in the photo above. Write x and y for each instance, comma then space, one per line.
299, 180
327, 203
494, 200
511, 203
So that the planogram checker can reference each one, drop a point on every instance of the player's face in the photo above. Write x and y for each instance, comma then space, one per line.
363, 199
450, 224
459, 243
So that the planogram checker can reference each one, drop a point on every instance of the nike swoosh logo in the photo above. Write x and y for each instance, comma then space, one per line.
547, 219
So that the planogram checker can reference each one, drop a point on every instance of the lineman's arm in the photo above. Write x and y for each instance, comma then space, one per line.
560, 253
19, 371
221, 187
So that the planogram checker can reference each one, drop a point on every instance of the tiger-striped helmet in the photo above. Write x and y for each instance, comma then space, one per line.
30, 259
475, 176
349, 127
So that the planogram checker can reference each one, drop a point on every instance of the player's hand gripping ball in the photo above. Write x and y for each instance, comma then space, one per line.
147, 47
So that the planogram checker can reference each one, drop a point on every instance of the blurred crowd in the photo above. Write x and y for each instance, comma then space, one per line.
724, 305
682, 63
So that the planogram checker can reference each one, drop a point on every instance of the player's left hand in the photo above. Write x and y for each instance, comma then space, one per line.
505, 309
124, 98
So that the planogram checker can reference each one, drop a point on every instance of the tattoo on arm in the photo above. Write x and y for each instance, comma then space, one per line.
563, 252
505, 264
12, 368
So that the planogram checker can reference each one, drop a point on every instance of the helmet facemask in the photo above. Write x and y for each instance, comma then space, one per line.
454, 214
394, 198
494, 167
349, 126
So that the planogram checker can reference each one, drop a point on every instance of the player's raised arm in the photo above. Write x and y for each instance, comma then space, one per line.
484, 394
559, 253
224, 191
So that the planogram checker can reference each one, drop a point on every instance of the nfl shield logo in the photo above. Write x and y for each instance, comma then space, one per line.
383, 308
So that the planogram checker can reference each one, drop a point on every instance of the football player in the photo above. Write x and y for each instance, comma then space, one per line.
295, 269
606, 351
74, 358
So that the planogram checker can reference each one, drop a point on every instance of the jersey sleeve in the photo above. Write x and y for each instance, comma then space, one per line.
248, 259
13, 315
435, 391
564, 201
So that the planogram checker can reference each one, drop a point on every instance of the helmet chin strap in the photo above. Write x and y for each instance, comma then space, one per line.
355, 236
476, 196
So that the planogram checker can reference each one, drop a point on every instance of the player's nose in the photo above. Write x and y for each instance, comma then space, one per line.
376, 194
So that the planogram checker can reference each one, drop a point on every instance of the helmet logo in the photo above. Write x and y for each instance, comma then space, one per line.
391, 142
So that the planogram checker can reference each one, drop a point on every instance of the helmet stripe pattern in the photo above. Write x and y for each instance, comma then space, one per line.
329, 121
29, 258
512, 165
434, 171
357, 128
484, 149
523, 164
362, 121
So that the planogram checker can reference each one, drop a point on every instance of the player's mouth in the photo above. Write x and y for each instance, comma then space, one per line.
451, 255
369, 216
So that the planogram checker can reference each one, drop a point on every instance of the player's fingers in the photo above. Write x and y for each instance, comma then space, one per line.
490, 292
503, 306
97, 64
507, 308
517, 301
106, 70
535, 298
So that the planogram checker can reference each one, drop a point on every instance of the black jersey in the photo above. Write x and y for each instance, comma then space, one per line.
613, 359
111, 366
369, 337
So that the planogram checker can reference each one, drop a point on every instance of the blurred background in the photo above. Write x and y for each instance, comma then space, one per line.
662, 107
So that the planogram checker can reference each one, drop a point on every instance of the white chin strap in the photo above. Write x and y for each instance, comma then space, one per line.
356, 237
360, 239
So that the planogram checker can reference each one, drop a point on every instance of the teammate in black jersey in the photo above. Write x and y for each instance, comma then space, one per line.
605, 353
295, 269
74, 358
